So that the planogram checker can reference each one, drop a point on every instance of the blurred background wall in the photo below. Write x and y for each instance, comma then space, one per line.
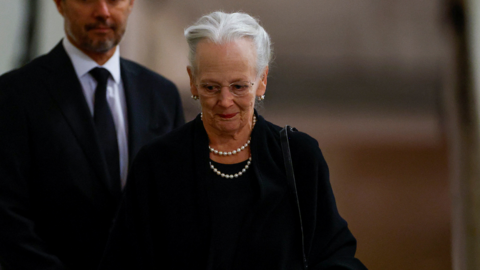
365, 78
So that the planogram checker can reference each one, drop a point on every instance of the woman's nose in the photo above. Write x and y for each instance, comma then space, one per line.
225, 97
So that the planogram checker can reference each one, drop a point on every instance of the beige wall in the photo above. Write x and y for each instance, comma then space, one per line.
12, 21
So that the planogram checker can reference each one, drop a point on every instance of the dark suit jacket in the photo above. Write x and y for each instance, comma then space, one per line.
56, 205
164, 221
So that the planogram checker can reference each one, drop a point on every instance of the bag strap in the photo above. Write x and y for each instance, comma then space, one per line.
287, 158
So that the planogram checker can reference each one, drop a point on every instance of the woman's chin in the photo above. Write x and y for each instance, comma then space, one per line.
228, 127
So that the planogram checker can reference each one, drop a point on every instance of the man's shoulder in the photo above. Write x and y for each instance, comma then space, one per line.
31, 73
143, 72
150, 83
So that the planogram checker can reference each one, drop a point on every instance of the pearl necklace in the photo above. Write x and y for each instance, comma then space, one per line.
231, 176
234, 152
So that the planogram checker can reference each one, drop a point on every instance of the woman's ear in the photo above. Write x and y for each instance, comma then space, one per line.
262, 86
193, 86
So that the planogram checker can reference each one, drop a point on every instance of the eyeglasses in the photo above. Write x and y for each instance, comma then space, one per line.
238, 89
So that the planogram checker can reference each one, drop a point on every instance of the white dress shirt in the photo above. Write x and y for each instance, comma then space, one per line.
115, 96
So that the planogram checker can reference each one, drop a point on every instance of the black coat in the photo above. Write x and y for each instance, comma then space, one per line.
56, 206
164, 220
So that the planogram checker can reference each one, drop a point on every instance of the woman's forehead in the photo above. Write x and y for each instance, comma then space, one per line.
241, 50
236, 57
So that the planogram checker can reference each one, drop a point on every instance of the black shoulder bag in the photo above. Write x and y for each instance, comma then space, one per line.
287, 158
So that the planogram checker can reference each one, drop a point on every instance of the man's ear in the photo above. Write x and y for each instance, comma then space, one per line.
131, 5
59, 4
193, 87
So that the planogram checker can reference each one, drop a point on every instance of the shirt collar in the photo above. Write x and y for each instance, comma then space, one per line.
82, 63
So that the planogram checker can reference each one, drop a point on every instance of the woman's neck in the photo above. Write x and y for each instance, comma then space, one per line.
230, 142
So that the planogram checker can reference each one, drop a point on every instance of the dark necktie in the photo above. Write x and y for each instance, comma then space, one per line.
102, 116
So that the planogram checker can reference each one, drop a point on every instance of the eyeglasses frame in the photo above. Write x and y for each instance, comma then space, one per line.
251, 84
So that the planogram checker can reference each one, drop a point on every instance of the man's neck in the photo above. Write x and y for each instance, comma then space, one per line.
99, 58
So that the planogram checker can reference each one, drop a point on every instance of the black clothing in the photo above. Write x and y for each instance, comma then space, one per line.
232, 200
165, 220
56, 201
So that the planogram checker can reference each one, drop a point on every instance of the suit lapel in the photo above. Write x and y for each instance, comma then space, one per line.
66, 90
137, 109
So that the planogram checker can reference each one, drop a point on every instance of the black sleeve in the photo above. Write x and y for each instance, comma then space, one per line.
339, 251
20, 246
329, 244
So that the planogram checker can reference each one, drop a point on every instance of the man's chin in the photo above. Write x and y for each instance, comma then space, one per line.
100, 47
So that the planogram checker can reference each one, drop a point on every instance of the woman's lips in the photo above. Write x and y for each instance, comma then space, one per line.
227, 116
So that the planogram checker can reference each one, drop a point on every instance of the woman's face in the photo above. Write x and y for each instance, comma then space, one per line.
221, 65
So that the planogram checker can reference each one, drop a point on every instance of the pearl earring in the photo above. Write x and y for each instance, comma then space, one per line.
194, 97
260, 98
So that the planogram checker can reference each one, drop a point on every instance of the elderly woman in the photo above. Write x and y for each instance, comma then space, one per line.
213, 194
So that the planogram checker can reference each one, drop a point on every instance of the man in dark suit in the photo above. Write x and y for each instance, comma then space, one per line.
70, 123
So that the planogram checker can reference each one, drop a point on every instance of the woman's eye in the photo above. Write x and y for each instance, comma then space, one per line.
210, 87
240, 87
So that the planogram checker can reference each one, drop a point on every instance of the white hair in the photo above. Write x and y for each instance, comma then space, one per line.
220, 27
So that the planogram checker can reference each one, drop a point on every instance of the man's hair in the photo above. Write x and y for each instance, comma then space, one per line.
219, 27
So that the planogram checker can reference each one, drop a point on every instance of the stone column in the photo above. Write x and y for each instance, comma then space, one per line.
461, 100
